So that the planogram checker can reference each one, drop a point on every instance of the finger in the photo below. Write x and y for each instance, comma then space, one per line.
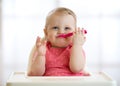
38, 41
76, 30
44, 40
85, 38
82, 31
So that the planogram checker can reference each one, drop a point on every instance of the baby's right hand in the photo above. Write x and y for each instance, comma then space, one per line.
40, 47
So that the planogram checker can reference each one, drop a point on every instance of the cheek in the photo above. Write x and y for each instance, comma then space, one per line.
50, 37
70, 39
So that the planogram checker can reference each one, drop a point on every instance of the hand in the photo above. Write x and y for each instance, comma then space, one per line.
40, 48
79, 37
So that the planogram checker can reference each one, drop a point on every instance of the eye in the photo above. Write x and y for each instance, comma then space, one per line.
67, 28
55, 28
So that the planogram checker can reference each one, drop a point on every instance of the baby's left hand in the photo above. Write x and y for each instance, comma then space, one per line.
79, 37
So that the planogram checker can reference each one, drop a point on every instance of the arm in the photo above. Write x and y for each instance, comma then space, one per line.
36, 64
77, 58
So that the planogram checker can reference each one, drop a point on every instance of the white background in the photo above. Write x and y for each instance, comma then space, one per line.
21, 21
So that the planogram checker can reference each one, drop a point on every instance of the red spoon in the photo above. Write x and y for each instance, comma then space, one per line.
69, 34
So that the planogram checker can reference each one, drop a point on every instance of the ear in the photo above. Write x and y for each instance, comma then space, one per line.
45, 31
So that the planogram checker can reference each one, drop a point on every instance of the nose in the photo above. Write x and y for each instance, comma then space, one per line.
61, 31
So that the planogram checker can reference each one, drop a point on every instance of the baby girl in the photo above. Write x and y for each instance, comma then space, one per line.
60, 52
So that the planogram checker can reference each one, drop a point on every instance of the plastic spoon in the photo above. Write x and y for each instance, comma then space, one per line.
68, 35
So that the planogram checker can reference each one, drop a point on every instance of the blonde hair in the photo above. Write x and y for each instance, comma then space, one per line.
61, 10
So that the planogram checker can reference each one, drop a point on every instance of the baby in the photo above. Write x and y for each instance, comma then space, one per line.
60, 52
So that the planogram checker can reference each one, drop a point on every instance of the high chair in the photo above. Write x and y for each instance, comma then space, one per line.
95, 79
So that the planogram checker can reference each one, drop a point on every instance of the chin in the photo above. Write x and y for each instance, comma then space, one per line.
62, 45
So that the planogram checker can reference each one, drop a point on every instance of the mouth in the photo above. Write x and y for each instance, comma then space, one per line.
64, 35
69, 34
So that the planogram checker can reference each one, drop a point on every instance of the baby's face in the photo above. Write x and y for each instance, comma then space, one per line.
60, 24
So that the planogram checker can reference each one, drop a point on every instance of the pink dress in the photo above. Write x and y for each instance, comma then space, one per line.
57, 62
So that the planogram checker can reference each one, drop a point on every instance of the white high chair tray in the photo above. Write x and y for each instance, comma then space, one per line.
95, 79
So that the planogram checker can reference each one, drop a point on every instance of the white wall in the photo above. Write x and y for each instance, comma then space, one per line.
23, 20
